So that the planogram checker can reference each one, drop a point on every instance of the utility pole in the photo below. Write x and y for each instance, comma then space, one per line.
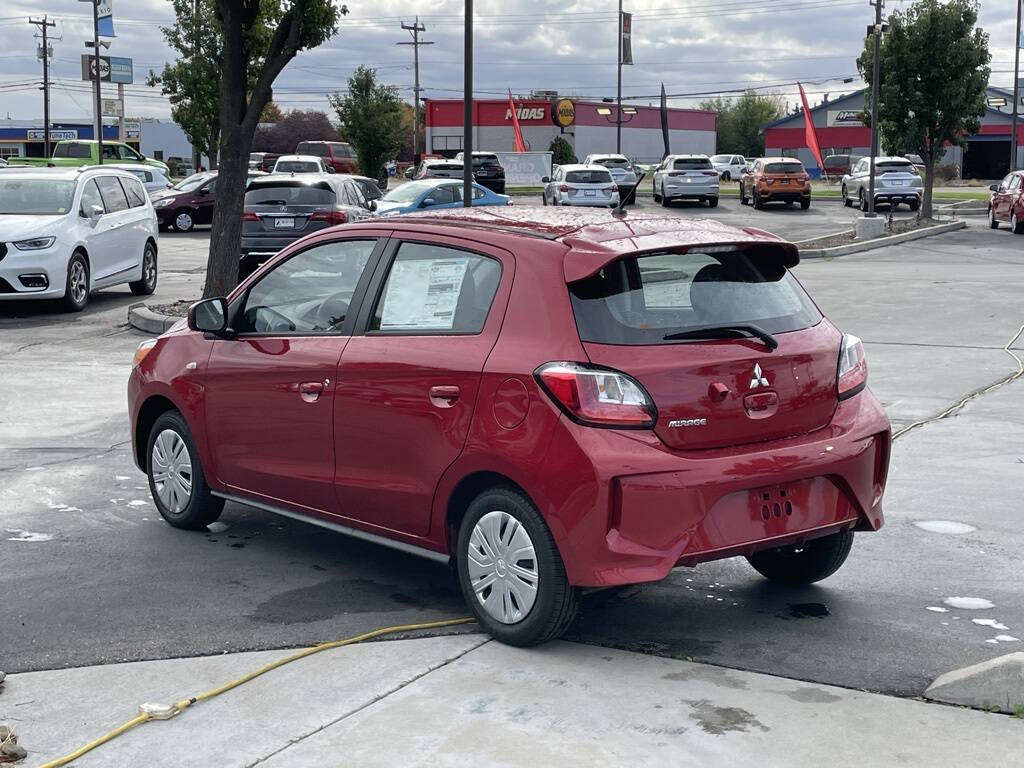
414, 29
43, 25
1016, 93
97, 78
876, 68
467, 109
618, 96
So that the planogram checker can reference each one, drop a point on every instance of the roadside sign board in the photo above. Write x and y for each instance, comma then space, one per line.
132, 130
37, 134
113, 69
113, 107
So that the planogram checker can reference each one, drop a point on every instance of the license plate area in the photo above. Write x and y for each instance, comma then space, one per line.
590, 193
777, 503
284, 223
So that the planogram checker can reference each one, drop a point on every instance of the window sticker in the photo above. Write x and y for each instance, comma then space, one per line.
422, 294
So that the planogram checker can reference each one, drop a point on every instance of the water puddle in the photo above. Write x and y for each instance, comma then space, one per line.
944, 526
808, 610
992, 623
936, 609
969, 603
27, 535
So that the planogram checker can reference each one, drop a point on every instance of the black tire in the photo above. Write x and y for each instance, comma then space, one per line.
655, 195
665, 201
758, 203
202, 507
805, 204
554, 607
847, 202
743, 195
184, 221
1015, 224
913, 205
992, 222
726, 176
544, 198
147, 284
712, 202
631, 200
75, 299
818, 560
862, 200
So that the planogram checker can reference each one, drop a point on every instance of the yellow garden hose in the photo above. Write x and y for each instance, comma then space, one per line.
164, 712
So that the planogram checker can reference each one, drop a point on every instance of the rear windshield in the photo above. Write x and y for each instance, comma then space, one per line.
296, 194
692, 164
892, 166
443, 168
640, 300
784, 168
613, 162
479, 160
588, 177
311, 148
296, 166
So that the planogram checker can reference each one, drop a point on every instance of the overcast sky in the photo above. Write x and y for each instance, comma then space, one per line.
694, 46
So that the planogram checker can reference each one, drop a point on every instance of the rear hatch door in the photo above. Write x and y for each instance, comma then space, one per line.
285, 207
729, 389
586, 184
693, 171
891, 175
784, 174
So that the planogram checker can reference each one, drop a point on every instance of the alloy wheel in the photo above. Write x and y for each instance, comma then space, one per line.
172, 471
502, 567
149, 268
79, 281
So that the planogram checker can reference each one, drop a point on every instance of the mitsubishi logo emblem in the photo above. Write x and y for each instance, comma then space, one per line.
759, 380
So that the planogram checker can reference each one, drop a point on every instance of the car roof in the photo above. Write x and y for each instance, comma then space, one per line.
582, 167
590, 239
688, 156
65, 174
303, 158
780, 160
130, 166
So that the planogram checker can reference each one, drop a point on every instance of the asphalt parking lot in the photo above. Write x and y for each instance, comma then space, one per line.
92, 575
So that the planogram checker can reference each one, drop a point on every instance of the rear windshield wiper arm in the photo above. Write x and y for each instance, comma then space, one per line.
725, 332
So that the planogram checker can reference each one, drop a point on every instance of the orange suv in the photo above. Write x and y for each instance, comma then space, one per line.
772, 179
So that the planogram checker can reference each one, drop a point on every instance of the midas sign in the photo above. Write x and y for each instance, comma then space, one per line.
526, 113
563, 113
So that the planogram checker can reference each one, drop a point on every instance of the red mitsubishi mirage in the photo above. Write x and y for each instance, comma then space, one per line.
549, 399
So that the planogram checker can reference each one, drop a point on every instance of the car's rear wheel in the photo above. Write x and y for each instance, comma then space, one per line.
712, 202
743, 195
544, 198
654, 193
1015, 225
76, 287
147, 284
756, 200
510, 571
914, 205
847, 202
183, 221
664, 200
176, 479
992, 222
862, 200
631, 200
816, 560
805, 204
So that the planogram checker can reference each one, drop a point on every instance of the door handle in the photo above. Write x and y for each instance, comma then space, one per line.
311, 390
444, 396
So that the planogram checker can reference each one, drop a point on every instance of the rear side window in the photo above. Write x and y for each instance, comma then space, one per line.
784, 168
309, 148
72, 149
339, 149
136, 194
289, 195
640, 300
691, 164
114, 199
433, 289
588, 177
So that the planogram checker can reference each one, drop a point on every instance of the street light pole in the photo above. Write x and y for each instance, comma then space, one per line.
876, 68
96, 63
1016, 93
618, 94
467, 109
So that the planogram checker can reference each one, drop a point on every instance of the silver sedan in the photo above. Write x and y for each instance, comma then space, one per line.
579, 184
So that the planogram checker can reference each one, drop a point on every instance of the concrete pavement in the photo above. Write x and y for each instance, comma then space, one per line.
464, 700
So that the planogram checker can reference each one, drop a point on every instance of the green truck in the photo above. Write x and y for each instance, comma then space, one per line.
73, 152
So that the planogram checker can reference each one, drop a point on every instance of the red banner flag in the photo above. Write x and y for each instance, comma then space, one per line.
516, 130
811, 136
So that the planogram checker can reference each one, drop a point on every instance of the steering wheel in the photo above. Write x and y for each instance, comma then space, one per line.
332, 311
273, 320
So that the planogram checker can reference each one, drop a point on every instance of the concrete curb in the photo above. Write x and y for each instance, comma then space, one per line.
142, 317
878, 242
996, 684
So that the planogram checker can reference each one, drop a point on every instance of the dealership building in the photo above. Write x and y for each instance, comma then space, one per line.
153, 138
588, 126
984, 155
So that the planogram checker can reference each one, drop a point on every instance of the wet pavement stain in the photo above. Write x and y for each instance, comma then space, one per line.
715, 675
808, 610
720, 720
811, 696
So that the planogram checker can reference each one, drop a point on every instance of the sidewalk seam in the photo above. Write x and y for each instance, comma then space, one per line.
357, 710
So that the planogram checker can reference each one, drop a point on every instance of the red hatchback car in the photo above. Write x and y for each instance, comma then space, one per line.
1006, 203
550, 399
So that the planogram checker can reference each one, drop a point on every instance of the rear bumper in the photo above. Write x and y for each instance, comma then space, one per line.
629, 527
598, 200
898, 195
777, 193
691, 191
495, 185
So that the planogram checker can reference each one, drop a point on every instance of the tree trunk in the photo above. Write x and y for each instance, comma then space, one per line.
929, 180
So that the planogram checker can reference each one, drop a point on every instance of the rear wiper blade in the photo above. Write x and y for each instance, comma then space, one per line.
725, 332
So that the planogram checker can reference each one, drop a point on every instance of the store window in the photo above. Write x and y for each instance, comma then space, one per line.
791, 152
445, 143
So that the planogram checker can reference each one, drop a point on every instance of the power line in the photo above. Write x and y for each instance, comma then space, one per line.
414, 30
44, 25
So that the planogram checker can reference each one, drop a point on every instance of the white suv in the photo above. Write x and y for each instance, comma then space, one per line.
67, 232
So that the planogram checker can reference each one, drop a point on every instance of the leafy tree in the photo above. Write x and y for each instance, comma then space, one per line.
371, 119
562, 152
271, 113
405, 151
740, 121
927, 101
297, 125
263, 35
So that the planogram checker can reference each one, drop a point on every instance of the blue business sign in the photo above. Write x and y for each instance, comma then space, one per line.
105, 18
120, 70
113, 69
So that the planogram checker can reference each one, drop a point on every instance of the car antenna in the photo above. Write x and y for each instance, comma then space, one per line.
619, 209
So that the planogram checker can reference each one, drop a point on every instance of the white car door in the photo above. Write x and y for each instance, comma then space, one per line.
140, 229
119, 254
100, 233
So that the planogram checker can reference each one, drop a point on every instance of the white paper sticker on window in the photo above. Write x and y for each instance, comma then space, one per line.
422, 294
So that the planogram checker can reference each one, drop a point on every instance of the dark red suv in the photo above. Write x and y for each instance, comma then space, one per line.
552, 400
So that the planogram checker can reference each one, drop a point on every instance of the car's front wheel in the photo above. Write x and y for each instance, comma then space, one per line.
183, 221
146, 285
862, 200
847, 202
726, 176
510, 571
176, 479
992, 221
76, 287
816, 560
1015, 224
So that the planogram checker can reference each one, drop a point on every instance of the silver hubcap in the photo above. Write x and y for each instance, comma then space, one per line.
183, 221
78, 282
172, 471
149, 267
503, 567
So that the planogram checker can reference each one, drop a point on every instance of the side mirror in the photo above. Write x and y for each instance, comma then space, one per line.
209, 316
546, 180
95, 212
372, 205
204, 191
428, 202
994, 187
408, 173
330, 169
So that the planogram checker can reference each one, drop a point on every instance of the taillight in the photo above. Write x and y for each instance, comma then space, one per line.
609, 190
597, 397
331, 217
852, 374
805, 177
250, 216
563, 188
711, 173
676, 173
